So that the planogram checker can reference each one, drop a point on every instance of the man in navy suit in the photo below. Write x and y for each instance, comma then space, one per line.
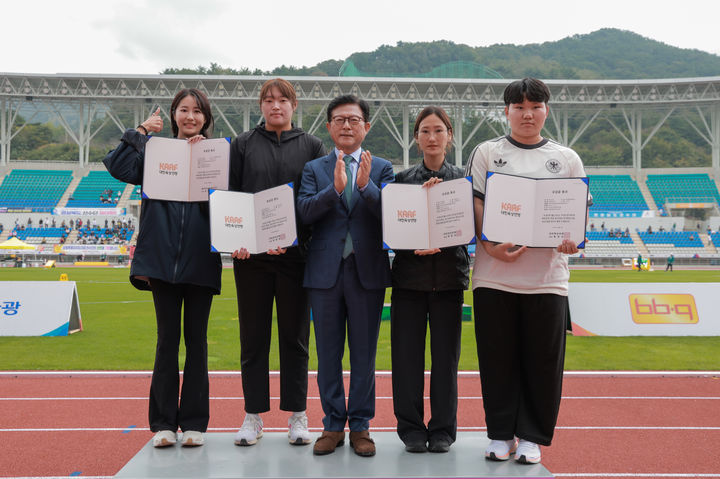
347, 271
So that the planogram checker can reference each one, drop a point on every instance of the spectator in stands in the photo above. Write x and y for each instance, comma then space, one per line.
592, 226
627, 232
674, 226
521, 293
649, 229
272, 154
428, 287
173, 260
670, 261
602, 226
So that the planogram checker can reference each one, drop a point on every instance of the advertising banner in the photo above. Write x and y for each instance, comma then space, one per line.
89, 211
39, 308
111, 249
645, 309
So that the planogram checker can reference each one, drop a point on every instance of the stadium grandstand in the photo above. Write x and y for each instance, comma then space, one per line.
651, 211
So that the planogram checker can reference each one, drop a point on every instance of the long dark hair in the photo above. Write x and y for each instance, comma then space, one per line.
203, 103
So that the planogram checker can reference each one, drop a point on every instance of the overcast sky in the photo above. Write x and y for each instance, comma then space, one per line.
144, 37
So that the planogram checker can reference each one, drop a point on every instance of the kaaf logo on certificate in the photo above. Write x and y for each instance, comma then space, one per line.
510, 209
168, 169
233, 222
407, 216
663, 309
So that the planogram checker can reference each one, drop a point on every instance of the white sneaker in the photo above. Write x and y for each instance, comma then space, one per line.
164, 438
499, 450
250, 431
192, 438
527, 452
298, 433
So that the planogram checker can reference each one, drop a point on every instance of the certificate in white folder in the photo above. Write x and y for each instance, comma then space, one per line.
423, 218
535, 212
176, 170
257, 222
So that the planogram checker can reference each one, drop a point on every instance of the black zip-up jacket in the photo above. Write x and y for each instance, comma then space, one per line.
174, 238
260, 160
446, 270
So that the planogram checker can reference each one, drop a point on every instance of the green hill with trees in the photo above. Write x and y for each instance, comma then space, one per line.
604, 54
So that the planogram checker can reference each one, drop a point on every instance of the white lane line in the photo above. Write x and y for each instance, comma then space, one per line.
556, 474
56, 477
629, 474
652, 374
384, 398
376, 428
142, 301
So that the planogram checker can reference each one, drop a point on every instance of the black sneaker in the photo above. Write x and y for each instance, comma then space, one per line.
416, 445
439, 444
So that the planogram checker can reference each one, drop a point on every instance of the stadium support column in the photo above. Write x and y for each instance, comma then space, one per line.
715, 137
458, 134
4, 136
636, 138
246, 117
406, 136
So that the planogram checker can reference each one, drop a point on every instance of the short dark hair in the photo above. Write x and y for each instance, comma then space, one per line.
528, 88
202, 102
284, 87
349, 100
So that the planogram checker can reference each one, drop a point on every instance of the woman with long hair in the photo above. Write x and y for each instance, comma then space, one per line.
173, 261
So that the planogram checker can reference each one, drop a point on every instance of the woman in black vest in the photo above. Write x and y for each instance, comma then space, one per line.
428, 285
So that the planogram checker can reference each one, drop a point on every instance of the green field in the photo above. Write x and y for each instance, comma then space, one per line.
119, 330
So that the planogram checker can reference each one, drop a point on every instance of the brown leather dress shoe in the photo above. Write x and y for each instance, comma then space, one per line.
362, 444
328, 441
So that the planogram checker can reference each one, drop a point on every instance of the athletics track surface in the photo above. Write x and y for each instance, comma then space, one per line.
89, 424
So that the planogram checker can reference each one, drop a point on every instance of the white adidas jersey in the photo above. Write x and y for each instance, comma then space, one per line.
538, 270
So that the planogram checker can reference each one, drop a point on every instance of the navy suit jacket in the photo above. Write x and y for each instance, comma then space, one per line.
319, 206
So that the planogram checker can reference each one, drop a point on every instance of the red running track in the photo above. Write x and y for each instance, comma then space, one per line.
610, 425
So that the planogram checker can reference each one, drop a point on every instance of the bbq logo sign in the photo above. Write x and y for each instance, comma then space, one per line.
645, 309
663, 309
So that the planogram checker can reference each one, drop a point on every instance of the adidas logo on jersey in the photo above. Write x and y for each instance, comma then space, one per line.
500, 162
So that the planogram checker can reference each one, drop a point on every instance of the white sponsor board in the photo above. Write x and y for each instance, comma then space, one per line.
645, 309
89, 211
93, 249
39, 308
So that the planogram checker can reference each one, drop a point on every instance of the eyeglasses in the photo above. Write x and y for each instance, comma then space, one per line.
340, 120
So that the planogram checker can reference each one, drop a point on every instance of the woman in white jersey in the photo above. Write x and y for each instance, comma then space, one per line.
520, 293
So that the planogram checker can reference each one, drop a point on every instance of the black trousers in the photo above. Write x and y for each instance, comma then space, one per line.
193, 413
521, 351
258, 284
410, 313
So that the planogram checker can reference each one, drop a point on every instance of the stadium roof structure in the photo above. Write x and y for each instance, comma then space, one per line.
79, 101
